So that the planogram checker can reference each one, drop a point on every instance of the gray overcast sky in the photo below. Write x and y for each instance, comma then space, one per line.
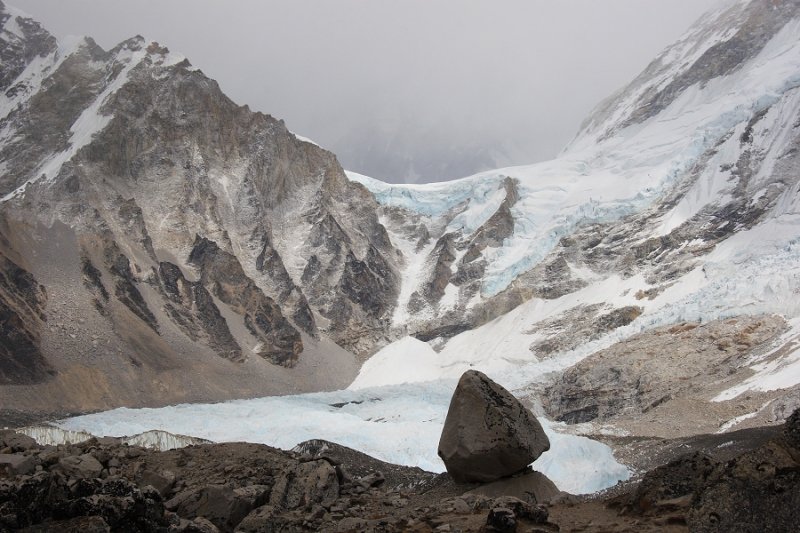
409, 79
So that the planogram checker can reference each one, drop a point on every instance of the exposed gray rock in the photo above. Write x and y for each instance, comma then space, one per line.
192, 308
17, 51
488, 434
579, 325
22, 304
224, 277
658, 368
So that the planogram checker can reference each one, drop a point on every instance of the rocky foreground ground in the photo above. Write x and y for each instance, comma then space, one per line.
103, 485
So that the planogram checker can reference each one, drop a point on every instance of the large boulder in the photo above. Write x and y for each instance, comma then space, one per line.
488, 434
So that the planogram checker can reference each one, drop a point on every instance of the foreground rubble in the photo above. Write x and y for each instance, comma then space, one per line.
104, 485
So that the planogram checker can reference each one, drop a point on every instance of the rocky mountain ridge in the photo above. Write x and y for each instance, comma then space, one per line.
172, 222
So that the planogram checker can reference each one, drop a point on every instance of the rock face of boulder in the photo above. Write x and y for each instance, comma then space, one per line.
488, 434
531, 487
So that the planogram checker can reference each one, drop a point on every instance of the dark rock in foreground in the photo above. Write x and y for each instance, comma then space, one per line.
326, 487
105, 485
758, 490
488, 434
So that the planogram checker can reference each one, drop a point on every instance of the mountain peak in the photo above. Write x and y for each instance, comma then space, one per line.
721, 43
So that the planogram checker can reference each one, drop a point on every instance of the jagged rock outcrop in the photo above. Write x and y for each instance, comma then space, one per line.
223, 274
756, 490
488, 434
22, 316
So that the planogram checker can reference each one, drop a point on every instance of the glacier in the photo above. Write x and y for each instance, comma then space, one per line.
400, 424
604, 179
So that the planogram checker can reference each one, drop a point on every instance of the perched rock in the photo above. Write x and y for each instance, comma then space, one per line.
488, 434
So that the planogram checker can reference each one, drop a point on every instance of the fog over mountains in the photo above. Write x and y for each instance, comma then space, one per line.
404, 91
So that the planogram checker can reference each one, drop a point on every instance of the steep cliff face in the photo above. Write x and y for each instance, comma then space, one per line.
22, 304
171, 217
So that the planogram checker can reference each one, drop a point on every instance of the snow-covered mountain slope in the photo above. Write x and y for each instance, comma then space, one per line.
721, 148
678, 201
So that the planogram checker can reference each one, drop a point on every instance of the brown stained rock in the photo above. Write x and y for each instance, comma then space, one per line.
217, 503
80, 466
13, 465
488, 434
305, 484
162, 481
531, 487
18, 442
